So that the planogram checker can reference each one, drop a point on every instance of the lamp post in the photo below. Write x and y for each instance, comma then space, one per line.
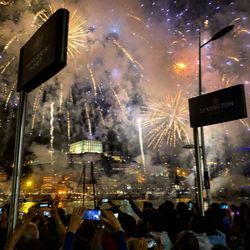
201, 144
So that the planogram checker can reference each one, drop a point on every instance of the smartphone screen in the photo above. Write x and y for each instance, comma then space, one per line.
190, 206
223, 206
20, 215
46, 214
1, 210
44, 205
92, 214
151, 243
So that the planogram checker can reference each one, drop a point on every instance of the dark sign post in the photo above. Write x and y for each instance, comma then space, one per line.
220, 106
44, 55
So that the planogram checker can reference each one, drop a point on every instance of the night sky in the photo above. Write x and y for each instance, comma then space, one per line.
129, 63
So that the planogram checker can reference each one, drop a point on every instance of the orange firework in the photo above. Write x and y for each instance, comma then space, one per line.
180, 67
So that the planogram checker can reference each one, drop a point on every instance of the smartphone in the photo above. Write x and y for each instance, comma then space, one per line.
190, 206
46, 214
20, 215
104, 200
92, 214
223, 206
1, 210
151, 243
44, 204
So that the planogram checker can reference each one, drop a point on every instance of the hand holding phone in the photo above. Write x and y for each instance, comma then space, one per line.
76, 219
110, 220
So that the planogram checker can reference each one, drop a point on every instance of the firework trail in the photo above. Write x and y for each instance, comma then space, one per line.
9, 95
141, 145
88, 119
7, 64
61, 98
13, 39
52, 126
117, 98
34, 109
136, 18
68, 126
127, 54
92, 79
233, 58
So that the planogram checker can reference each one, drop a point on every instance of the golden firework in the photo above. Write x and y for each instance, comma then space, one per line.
77, 28
165, 121
180, 67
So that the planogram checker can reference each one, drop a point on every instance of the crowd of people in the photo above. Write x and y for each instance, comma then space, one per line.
167, 227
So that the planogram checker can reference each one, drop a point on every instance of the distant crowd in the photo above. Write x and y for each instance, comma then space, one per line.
47, 226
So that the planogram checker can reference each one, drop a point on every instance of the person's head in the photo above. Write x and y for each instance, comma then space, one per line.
128, 223
215, 207
146, 214
31, 244
84, 235
147, 204
186, 240
219, 247
62, 215
155, 222
198, 224
181, 208
169, 204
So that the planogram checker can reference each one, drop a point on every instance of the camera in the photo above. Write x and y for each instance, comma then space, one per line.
92, 214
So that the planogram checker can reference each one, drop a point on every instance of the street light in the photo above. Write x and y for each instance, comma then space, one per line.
197, 141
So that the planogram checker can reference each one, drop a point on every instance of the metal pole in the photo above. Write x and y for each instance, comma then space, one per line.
203, 149
93, 182
84, 185
198, 171
18, 163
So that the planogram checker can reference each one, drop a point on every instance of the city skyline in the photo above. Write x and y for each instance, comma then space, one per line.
126, 57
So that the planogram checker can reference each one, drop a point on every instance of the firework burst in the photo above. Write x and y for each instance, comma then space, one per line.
165, 121
180, 67
78, 29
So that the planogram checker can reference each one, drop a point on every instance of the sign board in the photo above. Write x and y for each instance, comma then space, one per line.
86, 146
220, 106
45, 53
